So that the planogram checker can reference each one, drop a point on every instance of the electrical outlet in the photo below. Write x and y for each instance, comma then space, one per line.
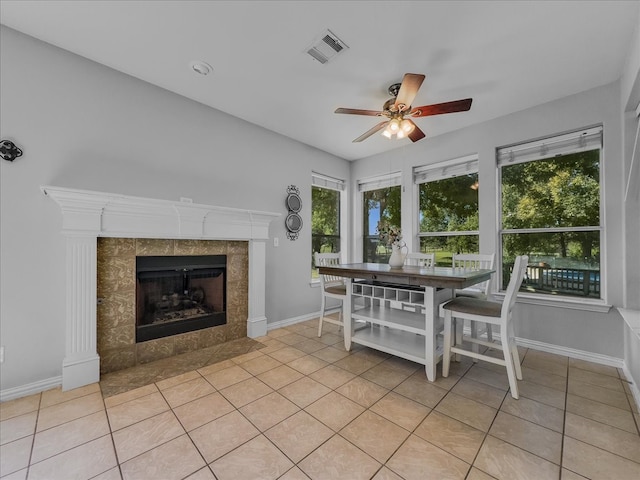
276, 241
2, 354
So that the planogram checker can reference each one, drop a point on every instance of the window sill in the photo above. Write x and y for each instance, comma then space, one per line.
585, 304
314, 283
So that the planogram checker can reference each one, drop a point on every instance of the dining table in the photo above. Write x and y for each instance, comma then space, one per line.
396, 309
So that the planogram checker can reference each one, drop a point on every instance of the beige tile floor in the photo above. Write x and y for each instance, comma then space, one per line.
301, 407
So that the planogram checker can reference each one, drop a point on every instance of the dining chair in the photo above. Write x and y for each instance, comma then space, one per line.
475, 261
332, 287
480, 290
426, 260
487, 311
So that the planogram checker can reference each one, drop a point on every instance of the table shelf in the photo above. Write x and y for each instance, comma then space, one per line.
396, 342
407, 321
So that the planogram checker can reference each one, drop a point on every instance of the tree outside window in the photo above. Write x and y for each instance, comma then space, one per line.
381, 205
448, 210
325, 222
551, 212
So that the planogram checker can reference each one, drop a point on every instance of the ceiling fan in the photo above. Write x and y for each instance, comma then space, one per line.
399, 107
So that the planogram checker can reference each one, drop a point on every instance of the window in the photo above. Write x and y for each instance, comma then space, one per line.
550, 210
448, 208
325, 216
380, 202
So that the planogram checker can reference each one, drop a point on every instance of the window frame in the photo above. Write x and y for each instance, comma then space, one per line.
443, 170
367, 184
549, 147
319, 180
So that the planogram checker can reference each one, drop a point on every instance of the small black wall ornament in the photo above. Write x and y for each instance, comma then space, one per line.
9, 150
293, 222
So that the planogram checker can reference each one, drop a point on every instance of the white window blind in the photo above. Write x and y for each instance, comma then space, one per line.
448, 169
325, 181
382, 181
578, 141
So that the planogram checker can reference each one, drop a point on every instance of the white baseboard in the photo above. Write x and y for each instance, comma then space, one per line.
571, 352
303, 318
30, 389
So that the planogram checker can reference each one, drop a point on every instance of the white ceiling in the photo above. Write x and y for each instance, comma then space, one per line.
507, 56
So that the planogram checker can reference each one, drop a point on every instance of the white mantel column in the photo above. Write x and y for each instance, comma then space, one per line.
81, 365
257, 321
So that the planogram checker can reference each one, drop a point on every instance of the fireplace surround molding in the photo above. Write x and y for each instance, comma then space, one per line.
87, 215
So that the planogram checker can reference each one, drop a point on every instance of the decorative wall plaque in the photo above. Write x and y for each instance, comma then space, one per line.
293, 222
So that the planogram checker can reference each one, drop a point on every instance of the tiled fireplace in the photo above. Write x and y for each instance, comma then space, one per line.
116, 310
105, 232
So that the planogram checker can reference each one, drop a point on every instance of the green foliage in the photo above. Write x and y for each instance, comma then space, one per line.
325, 221
559, 192
388, 202
449, 205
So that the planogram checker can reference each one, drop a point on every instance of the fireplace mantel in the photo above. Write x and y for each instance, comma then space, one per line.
87, 215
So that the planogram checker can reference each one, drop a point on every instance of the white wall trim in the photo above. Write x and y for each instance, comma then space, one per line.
571, 352
87, 215
633, 386
30, 389
302, 318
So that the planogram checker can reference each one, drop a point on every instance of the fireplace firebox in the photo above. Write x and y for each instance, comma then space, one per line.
179, 294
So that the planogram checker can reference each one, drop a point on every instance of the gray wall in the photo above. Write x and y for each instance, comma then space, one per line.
599, 333
83, 125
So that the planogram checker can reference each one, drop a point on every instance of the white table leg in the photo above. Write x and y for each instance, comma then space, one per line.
431, 313
346, 317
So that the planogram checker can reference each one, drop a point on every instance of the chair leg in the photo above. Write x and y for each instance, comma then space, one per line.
475, 348
509, 362
446, 355
514, 352
458, 328
489, 332
322, 302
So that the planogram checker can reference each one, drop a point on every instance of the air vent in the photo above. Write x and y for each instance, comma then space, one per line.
326, 47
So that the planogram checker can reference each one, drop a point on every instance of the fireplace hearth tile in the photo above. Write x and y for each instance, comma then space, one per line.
116, 308
154, 246
187, 342
117, 359
212, 336
116, 274
121, 336
206, 361
155, 349
117, 247
199, 247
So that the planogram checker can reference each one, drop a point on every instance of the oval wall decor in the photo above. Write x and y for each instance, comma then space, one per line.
293, 222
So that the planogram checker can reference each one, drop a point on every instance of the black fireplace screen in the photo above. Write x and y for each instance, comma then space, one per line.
178, 294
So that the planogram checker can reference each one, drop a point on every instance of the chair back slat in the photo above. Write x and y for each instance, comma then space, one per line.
425, 260
476, 261
327, 260
517, 276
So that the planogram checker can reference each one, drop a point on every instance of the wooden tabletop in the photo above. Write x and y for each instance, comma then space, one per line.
443, 277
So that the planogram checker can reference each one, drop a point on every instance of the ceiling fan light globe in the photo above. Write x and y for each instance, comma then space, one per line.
394, 125
386, 133
407, 126
401, 134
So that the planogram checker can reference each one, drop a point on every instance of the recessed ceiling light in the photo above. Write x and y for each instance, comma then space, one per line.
203, 68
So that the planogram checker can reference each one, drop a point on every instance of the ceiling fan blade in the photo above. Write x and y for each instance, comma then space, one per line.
440, 108
416, 134
355, 111
371, 131
411, 83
